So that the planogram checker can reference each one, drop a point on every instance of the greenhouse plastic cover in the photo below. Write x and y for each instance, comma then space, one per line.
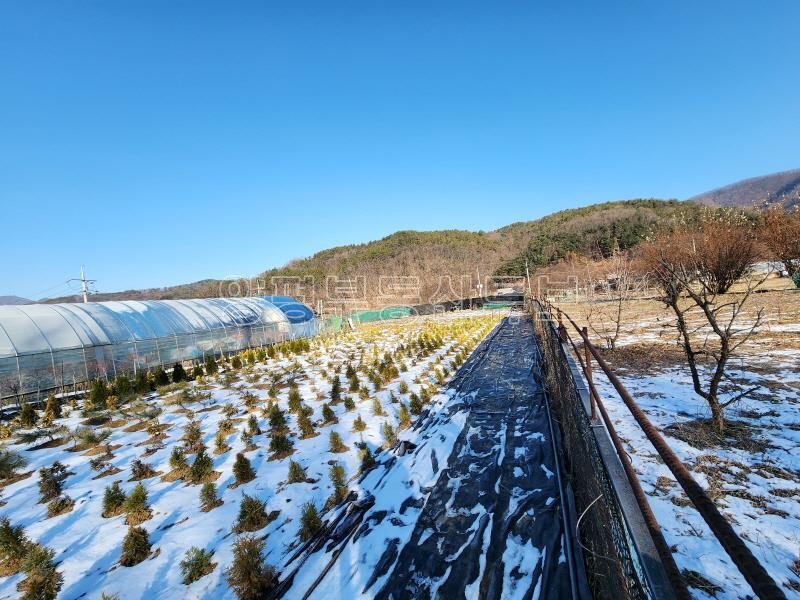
35, 328
295, 311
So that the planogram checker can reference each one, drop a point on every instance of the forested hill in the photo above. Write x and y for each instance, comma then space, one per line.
429, 255
594, 231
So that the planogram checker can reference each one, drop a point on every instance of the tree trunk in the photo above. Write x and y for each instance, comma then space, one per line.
716, 414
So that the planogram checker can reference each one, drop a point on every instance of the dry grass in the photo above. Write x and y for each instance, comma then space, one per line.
696, 580
15, 479
778, 297
701, 434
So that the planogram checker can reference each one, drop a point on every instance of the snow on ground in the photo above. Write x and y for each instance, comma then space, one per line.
87, 546
755, 482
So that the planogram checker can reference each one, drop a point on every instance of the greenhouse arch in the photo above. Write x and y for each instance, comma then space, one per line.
47, 346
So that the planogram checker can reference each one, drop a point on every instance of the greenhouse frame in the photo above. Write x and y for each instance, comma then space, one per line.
49, 346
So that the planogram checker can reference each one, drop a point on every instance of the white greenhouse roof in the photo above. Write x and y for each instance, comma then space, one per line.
33, 328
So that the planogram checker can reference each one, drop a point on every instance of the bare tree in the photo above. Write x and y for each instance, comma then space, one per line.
780, 234
694, 268
605, 316
12, 388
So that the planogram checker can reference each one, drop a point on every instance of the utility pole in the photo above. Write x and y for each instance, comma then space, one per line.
84, 284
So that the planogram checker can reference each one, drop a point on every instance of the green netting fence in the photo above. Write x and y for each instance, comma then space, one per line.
496, 305
370, 316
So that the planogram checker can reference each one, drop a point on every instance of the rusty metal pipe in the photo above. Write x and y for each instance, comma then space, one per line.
753, 571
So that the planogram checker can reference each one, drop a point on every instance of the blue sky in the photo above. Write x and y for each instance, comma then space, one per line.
166, 142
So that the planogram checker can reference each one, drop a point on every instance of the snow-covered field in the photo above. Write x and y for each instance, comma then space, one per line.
87, 545
754, 476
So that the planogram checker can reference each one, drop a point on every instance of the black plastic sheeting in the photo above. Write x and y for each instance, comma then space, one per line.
491, 519
499, 495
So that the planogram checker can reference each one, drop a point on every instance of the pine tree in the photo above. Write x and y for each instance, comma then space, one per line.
249, 576
160, 377
177, 460
51, 481
221, 442
98, 392
208, 497
136, 506
328, 416
336, 390
377, 409
121, 387
10, 461
367, 458
135, 547
27, 415
59, 506
140, 383
296, 472
338, 481
247, 440
349, 372
196, 564
280, 444
404, 417
236, 362
192, 435
355, 384
178, 373
111, 402
242, 469
211, 365
336, 444
415, 404
305, 425
310, 523
425, 395
252, 515
13, 546
202, 467
197, 372
388, 433
252, 425
141, 470
295, 402
52, 410
277, 421
113, 500
359, 424
42, 581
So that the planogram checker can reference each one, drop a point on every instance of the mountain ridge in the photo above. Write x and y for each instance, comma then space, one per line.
431, 256
593, 230
782, 189
14, 300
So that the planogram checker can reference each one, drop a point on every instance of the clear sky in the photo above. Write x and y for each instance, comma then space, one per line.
162, 142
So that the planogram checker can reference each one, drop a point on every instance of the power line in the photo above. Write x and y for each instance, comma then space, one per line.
84, 285
41, 293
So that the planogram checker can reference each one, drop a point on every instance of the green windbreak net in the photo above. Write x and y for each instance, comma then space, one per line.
369, 316
496, 305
